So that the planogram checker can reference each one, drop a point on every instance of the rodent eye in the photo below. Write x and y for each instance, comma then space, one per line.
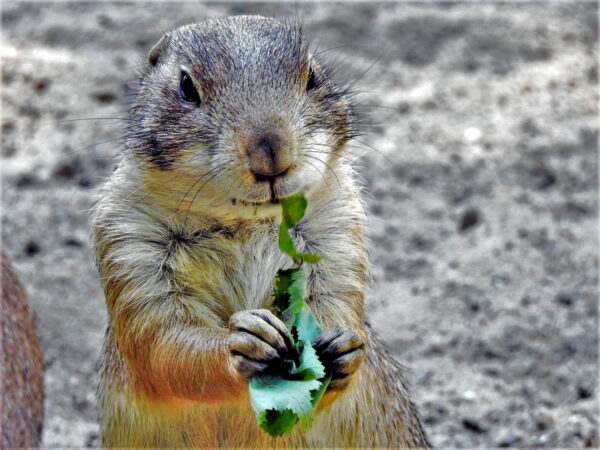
187, 90
312, 81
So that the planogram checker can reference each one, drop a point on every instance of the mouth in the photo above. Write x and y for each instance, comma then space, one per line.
268, 191
272, 200
274, 196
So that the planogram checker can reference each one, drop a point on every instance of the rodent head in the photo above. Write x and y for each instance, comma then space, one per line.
237, 110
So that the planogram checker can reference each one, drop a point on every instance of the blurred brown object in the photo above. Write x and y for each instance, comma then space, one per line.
22, 370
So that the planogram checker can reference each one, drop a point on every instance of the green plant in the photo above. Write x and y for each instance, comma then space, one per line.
282, 401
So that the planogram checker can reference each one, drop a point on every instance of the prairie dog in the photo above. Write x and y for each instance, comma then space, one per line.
231, 115
21, 367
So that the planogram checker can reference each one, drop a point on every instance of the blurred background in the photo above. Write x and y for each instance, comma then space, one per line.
483, 208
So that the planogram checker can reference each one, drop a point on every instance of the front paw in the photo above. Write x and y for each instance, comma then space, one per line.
341, 352
259, 343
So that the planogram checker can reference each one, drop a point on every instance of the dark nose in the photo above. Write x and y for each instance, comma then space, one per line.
269, 154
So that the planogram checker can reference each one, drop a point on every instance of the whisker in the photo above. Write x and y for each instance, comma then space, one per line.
329, 167
316, 168
387, 49
96, 144
377, 150
155, 189
348, 149
179, 173
201, 187
197, 181
85, 119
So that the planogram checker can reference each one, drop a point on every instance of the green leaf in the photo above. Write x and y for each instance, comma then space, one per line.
310, 367
306, 325
277, 423
306, 420
275, 392
281, 296
294, 295
308, 258
280, 402
292, 211
286, 245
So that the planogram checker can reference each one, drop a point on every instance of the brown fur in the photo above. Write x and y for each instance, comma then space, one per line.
22, 369
187, 251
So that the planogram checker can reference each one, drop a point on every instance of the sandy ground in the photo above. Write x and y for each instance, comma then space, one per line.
483, 214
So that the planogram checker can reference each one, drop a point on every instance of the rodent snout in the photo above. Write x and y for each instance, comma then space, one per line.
269, 154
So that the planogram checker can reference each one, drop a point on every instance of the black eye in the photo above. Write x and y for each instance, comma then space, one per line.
312, 82
187, 90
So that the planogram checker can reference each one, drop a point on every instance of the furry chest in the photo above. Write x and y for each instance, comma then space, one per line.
228, 274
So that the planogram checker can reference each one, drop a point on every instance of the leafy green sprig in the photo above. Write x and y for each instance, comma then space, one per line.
282, 401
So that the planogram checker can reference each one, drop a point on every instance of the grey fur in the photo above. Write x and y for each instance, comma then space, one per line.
186, 239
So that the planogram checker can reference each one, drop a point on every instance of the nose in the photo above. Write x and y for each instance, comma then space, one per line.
269, 154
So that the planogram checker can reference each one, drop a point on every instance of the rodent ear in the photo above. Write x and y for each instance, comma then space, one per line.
158, 50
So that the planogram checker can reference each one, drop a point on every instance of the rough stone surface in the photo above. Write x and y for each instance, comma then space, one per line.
483, 211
